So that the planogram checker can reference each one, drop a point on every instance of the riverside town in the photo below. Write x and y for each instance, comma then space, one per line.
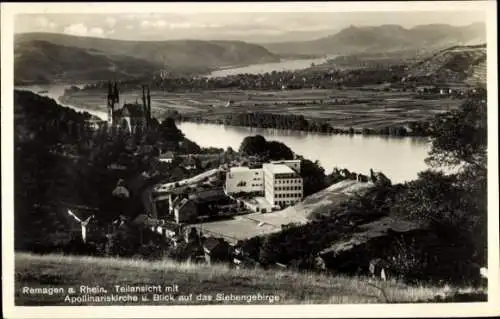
193, 165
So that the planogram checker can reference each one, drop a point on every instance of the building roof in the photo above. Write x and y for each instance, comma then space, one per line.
170, 226
237, 169
176, 201
189, 161
121, 191
179, 190
145, 221
286, 161
181, 203
129, 109
211, 243
279, 169
168, 154
208, 195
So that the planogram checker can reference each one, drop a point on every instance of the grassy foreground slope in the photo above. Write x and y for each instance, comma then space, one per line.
291, 287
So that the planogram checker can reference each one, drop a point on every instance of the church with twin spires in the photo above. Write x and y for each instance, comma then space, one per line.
132, 117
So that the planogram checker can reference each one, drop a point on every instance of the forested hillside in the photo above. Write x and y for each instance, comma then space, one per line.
453, 65
46, 57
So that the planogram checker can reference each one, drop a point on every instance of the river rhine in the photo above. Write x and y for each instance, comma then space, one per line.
400, 158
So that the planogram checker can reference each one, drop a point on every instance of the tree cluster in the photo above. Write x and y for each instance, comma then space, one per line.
300, 123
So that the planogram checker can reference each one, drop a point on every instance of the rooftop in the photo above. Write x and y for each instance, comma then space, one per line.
168, 154
279, 169
286, 161
211, 243
170, 226
181, 203
208, 195
189, 161
237, 169
132, 109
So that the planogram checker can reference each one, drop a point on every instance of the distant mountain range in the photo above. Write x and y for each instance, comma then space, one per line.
45, 57
50, 57
386, 38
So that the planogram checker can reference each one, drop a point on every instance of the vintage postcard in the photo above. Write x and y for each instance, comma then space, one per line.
250, 159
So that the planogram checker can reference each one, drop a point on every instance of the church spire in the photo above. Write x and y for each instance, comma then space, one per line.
111, 104
149, 105
145, 106
116, 93
110, 90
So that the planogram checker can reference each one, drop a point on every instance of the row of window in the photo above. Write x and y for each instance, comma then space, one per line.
288, 195
288, 188
284, 175
256, 185
287, 202
289, 181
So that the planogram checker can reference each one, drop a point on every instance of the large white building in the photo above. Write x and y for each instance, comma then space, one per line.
278, 181
283, 185
243, 179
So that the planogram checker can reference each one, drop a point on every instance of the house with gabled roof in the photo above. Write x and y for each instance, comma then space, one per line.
186, 210
189, 163
166, 157
216, 250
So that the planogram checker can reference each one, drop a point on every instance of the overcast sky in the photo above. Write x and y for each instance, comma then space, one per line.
246, 26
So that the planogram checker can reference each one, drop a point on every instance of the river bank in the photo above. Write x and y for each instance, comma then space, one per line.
251, 120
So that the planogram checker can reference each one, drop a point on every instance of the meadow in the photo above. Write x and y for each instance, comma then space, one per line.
57, 271
357, 107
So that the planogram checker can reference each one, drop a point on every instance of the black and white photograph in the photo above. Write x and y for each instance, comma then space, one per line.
292, 157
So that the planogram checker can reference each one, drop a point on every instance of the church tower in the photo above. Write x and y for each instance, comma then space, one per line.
113, 98
144, 106
149, 108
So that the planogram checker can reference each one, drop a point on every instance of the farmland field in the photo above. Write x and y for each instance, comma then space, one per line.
356, 108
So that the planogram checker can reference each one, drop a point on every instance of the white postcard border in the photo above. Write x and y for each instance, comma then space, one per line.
8, 10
